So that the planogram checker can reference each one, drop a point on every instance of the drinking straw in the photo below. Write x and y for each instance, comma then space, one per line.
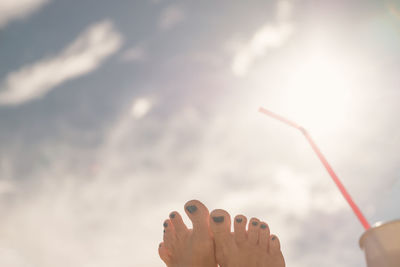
328, 167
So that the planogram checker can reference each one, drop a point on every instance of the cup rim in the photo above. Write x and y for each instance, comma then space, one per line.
377, 225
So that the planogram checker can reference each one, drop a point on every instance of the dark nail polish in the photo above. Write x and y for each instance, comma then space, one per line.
172, 215
191, 209
254, 223
263, 226
164, 231
273, 238
218, 219
239, 220
165, 224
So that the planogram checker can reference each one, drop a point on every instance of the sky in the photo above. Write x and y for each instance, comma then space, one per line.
114, 113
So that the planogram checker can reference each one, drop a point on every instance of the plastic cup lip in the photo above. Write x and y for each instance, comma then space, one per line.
377, 225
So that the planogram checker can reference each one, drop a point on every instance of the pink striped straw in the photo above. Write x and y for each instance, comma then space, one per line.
328, 167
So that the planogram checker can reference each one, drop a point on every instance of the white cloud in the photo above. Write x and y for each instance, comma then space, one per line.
82, 56
140, 107
264, 39
16, 9
170, 17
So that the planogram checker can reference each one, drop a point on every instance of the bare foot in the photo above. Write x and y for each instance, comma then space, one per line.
183, 247
252, 248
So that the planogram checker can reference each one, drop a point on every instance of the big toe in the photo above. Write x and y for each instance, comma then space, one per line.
220, 224
199, 215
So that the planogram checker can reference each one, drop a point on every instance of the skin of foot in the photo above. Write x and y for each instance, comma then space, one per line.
183, 247
254, 247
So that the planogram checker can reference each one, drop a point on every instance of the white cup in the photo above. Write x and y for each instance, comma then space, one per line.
381, 245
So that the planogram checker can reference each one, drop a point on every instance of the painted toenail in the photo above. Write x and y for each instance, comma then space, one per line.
273, 238
263, 226
191, 209
164, 231
172, 215
254, 223
165, 224
239, 220
218, 219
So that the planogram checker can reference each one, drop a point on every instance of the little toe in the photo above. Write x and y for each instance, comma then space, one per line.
199, 215
274, 245
179, 225
164, 255
169, 234
263, 236
239, 226
253, 229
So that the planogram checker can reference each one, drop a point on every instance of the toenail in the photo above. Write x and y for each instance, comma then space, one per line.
239, 220
159, 246
263, 226
254, 223
218, 219
164, 231
165, 224
191, 209
273, 238
172, 215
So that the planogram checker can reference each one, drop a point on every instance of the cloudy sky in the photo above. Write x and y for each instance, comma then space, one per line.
114, 113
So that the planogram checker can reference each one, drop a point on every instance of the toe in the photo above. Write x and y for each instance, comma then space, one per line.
199, 215
164, 255
239, 226
169, 234
180, 227
274, 245
253, 229
220, 222
263, 236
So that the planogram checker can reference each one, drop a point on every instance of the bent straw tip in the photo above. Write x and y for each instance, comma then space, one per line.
262, 110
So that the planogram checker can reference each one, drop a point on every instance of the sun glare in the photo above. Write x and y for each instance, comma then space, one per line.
317, 93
